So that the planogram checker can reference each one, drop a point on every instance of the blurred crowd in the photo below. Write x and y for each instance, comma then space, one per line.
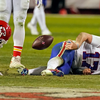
72, 6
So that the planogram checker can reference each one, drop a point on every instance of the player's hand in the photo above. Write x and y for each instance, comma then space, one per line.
71, 45
87, 71
38, 3
2, 42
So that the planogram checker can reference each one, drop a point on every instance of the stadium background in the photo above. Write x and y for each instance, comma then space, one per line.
62, 28
84, 6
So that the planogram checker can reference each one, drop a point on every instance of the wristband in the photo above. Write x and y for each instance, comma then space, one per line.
77, 46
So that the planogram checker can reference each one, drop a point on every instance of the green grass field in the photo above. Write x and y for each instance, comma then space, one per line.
63, 28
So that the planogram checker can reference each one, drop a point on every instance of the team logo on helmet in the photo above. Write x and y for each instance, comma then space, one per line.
2, 31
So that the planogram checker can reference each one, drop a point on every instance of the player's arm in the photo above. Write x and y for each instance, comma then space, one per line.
84, 71
83, 36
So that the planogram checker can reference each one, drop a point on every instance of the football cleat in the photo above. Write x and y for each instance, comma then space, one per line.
33, 29
23, 71
50, 72
46, 32
15, 63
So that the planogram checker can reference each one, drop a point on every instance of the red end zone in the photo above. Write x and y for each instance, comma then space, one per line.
39, 96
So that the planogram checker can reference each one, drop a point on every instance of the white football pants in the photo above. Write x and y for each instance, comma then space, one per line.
20, 8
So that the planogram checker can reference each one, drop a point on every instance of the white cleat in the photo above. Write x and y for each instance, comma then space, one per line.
15, 62
50, 72
33, 29
46, 32
46, 72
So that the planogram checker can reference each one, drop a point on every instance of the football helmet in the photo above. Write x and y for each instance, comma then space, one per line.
5, 32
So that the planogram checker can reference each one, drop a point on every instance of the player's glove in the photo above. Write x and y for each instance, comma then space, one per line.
38, 3
2, 42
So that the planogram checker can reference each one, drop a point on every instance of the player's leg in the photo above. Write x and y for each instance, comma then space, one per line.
41, 19
39, 16
32, 25
20, 8
5, 10
67, 56
34, 71
53, 63
56, 49
64, 68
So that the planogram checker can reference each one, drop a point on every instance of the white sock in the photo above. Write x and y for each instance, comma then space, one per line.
19, 35
30, 71
36, 71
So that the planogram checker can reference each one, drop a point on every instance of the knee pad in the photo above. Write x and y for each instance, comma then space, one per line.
4, 16
20, 17
19, 22
3, 5
25, 4
4, 13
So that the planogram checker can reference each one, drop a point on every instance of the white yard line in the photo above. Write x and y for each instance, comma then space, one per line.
53, 92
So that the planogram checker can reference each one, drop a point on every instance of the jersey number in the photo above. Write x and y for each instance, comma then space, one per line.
90, 55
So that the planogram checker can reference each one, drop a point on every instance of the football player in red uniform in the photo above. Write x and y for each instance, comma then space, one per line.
20, 8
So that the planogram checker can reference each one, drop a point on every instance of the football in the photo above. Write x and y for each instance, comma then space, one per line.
42, 42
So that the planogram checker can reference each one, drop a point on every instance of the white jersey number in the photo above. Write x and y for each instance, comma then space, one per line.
94, 60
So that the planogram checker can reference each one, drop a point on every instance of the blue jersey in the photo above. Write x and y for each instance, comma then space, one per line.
44, 2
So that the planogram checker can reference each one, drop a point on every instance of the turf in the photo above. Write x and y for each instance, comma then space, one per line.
62, 28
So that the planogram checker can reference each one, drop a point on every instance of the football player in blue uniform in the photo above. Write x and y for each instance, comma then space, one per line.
81, 56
